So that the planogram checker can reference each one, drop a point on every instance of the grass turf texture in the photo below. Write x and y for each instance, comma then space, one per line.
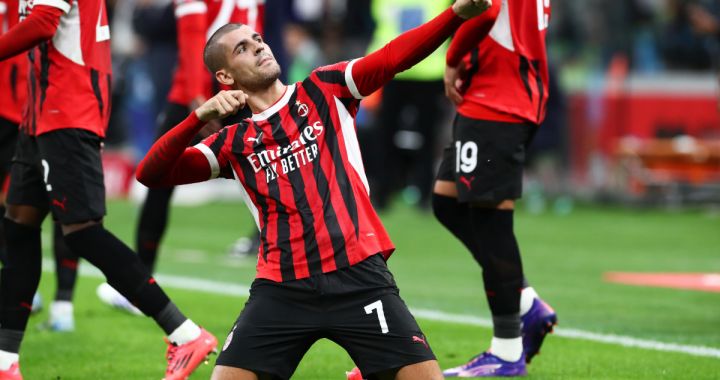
564, 258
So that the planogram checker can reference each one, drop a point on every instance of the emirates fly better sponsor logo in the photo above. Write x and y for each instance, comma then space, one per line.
284, 159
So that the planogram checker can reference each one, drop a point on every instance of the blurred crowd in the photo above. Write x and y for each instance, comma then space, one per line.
585, 37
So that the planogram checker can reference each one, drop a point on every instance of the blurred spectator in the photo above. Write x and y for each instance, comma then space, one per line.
304, 53
149, 74
682, 45
412, 107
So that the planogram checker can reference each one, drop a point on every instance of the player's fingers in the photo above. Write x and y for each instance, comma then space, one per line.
454, 95
233, 101
225, 107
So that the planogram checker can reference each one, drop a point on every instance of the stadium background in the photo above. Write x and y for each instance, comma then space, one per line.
625, 179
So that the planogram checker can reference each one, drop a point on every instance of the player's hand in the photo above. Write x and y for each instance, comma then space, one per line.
454, 81
212, 126
471, 8
224, 104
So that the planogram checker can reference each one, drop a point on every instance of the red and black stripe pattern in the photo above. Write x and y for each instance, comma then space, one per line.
302, 173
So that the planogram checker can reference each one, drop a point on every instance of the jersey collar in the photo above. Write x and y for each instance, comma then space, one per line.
275, 107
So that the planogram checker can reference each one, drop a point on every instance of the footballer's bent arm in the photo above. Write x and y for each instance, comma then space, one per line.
170, 163
40, 26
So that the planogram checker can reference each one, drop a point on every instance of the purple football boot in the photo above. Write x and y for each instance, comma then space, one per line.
536, 324
488, 365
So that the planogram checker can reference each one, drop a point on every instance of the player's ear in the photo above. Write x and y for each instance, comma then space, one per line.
223, 77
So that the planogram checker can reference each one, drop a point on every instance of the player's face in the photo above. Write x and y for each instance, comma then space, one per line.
249, 62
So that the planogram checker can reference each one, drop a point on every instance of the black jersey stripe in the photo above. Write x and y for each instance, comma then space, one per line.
539, 84
330, 217
217, 144
331, 76
341, 176
32, 97
250, 182
474, 63
108, 96
312, 252
524, 75
13, 81
95, 81
287, 267
44, 72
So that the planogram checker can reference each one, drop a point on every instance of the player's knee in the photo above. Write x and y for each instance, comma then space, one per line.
427, 370
68, 228
25, 215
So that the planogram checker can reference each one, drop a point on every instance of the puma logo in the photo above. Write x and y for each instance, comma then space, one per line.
60, 204
467, 182
417, 339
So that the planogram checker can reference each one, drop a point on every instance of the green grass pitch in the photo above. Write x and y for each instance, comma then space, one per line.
564, 258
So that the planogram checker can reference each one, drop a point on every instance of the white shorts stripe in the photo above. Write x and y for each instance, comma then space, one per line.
351, 82
190, 8
212, 160
64, 6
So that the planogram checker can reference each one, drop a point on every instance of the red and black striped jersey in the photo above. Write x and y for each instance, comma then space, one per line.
70, 74
13, 71
196, 21
302, 174
509, 68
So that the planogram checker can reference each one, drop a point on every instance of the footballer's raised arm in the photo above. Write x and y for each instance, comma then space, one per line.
471, 33
39, 26
373, 71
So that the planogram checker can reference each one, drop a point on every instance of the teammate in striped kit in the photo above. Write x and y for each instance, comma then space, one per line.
57, 168
321, 269
196, 21
13, 96
500, 61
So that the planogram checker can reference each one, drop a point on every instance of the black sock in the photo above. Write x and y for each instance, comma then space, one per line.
152, 224
20, 274
66, 263
170, 318
10, 340
499, 256
121, 267
507, 326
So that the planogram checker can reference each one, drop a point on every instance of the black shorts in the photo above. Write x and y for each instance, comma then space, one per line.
8, 140
60, 170
358, 308
486, 159
175, 113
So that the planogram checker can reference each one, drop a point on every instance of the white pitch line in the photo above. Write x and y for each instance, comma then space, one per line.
231, 289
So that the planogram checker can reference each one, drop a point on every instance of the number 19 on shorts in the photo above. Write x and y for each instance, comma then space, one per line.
466, 155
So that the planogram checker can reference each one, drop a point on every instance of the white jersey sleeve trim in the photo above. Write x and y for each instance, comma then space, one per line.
185, 9
351, 82
352, 146
62, 5
3, 7
212, 160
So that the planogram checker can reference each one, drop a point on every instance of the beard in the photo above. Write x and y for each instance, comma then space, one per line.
263, 79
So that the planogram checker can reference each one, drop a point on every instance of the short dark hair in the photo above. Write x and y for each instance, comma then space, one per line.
213, 54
